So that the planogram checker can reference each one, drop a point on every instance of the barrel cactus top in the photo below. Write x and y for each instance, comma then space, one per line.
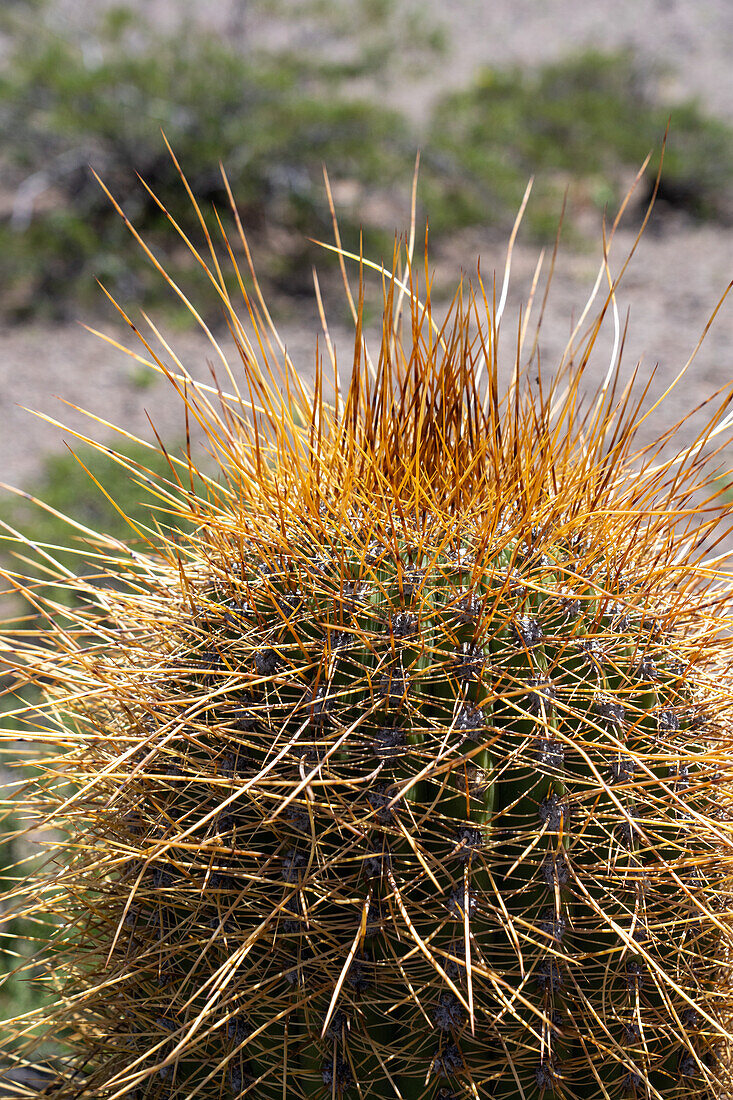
406, 773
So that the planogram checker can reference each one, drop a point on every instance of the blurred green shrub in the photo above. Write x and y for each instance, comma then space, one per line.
584, 121
272, 119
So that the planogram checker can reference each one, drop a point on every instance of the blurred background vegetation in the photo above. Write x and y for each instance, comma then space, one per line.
274, 113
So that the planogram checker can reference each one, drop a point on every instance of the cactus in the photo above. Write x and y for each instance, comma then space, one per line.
407, 773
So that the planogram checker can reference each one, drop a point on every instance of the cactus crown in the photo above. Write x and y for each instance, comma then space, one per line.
407, 773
